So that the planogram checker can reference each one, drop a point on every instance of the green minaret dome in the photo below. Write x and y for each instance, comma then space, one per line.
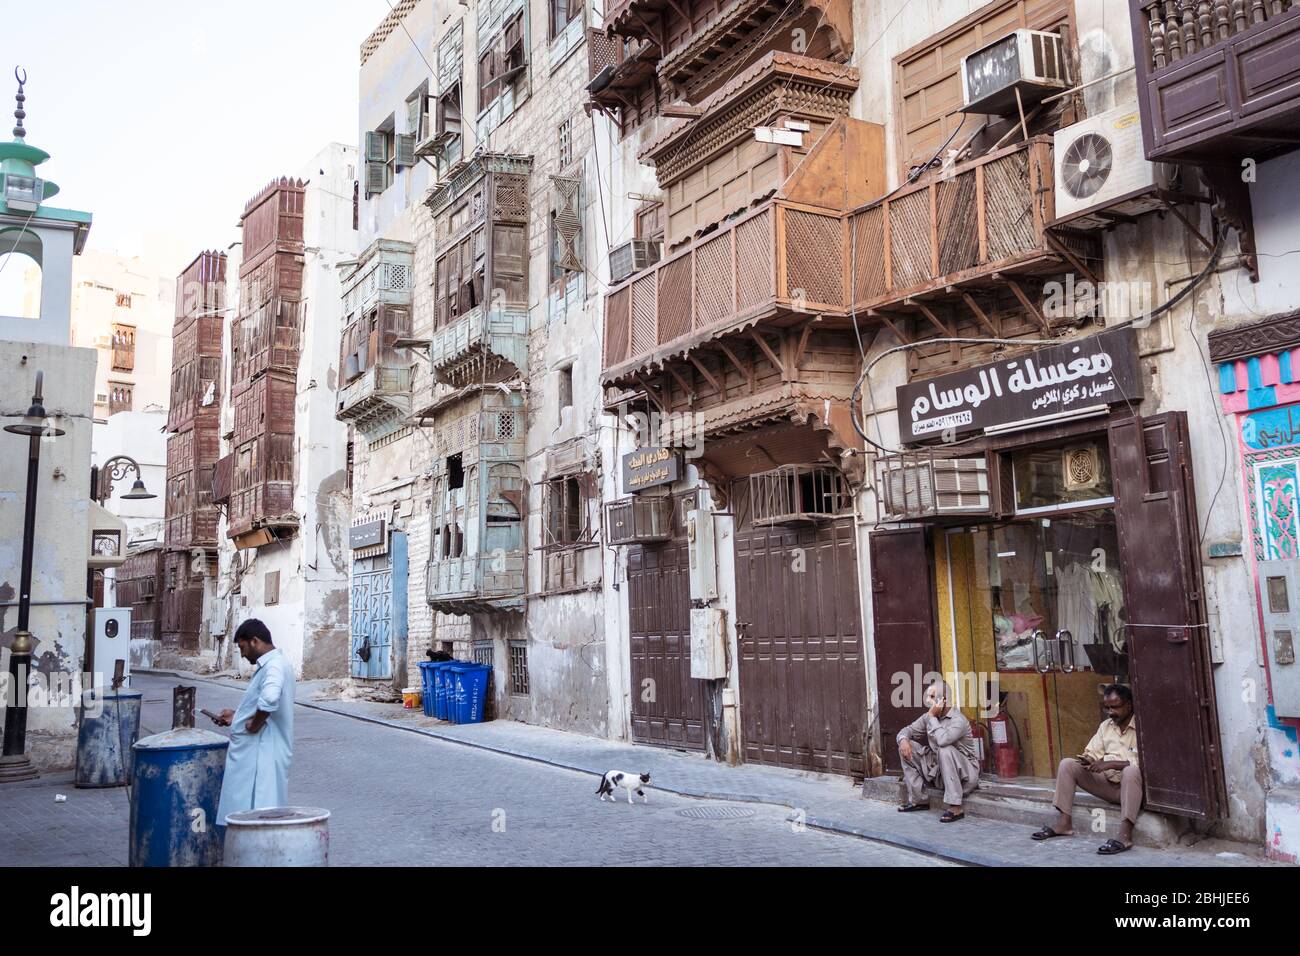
21, 187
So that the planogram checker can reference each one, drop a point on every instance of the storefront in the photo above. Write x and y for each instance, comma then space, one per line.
1057, 529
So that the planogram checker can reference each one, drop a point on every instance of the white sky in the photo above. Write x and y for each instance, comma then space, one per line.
163, 117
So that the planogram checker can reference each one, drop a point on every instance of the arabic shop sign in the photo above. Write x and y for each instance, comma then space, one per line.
367, 535
648, 467
1099, 370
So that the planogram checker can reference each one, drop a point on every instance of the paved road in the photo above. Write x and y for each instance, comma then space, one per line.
402, 798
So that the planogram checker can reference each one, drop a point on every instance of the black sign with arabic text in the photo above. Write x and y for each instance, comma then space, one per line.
1052, 382
648, 467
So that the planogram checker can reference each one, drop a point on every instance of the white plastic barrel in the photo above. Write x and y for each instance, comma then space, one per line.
278, 836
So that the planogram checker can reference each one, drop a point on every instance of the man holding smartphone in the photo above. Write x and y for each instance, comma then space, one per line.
261, 743
1107, 768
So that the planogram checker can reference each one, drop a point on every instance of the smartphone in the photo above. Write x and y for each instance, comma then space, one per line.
215, 718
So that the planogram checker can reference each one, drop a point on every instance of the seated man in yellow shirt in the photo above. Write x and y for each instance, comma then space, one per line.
1107, 768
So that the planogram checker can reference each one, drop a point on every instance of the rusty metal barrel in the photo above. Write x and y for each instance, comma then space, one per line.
110, 724
278, 836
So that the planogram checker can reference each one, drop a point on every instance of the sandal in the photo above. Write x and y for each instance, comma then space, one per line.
1111, 847
913, 807
1047, 833
950, 817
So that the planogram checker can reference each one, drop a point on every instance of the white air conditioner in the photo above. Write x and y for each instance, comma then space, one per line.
1030, 62
101, 398
1101, 165
918, 487
631, 257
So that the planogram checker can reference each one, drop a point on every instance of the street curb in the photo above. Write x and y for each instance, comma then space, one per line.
816, 823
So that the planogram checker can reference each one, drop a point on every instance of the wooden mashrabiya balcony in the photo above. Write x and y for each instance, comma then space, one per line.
1218, 80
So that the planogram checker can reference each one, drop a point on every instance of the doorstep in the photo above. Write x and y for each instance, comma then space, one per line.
1028, 800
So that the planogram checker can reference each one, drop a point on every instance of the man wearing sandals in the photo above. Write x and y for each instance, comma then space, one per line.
938, 749
1107, 768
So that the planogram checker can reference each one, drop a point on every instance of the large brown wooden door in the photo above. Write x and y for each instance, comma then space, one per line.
667, 705
798, 619
1168, 639
902, 592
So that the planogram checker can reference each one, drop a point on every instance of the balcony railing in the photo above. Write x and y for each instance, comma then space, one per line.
987, 219
1217, 79
379, 397
476, 583
779, 258
502, 332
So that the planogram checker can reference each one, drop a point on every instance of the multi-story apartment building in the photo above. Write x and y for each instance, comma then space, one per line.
472, 388
123, 308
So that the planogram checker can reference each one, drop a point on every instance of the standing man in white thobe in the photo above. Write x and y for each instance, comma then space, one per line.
261, 745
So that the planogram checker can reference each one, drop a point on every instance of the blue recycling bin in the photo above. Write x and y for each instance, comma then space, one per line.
471, 683
441, 698
426, 686
177, 784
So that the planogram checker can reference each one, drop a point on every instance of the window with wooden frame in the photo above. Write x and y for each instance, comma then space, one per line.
503, 63
650, 221
380, 158
123, 348
564, 513
124, 300
560, 13
928, 83
120, 397
564, 137
449, 125
417, 125
566, 228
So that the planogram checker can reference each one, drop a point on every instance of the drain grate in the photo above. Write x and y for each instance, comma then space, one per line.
716, 813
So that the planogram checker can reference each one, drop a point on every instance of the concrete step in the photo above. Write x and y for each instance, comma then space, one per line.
1028, 800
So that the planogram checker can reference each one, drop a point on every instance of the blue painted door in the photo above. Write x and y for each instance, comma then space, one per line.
378, 610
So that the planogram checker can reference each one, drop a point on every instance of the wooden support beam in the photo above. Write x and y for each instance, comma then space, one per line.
653, 395
902, 336
1032, 309
934, 319
803, 344
980, 314
767, 349
707, 376
1192, 228
690, 391
747, 372
1070, 257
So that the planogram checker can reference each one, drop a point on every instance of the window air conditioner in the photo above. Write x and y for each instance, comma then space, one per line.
1029, 61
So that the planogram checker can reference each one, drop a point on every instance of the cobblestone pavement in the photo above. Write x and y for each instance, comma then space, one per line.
399, 798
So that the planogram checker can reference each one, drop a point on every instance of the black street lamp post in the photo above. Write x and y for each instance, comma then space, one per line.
15, 764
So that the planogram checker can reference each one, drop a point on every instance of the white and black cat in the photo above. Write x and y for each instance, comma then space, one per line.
633, 783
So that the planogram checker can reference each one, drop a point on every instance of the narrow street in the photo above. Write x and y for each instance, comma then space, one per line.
400, 799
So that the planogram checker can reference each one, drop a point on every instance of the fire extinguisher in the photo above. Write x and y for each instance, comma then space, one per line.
1006, 754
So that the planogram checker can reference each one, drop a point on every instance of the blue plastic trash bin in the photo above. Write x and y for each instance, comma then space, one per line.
426, 686
442, 699
177, 777
471, 692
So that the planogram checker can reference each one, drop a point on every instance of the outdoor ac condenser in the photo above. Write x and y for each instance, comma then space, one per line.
1028, 62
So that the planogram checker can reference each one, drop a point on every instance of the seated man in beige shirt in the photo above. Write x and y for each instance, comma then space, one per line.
1107, 768
938, 749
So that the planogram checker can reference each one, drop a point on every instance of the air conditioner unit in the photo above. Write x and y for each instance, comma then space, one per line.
1030, 62
101, 398
638, 520
631, 258
918, 487
1101, 166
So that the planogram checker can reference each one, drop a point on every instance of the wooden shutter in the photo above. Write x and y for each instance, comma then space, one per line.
568, 222
510, 261
405, 150
901, 586
1164, 616
376, 178
375, 152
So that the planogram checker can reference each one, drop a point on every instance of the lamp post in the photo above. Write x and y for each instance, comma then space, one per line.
15, 764
102, 479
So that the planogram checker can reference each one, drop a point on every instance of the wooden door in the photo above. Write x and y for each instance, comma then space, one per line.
902, 589
1168, 636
